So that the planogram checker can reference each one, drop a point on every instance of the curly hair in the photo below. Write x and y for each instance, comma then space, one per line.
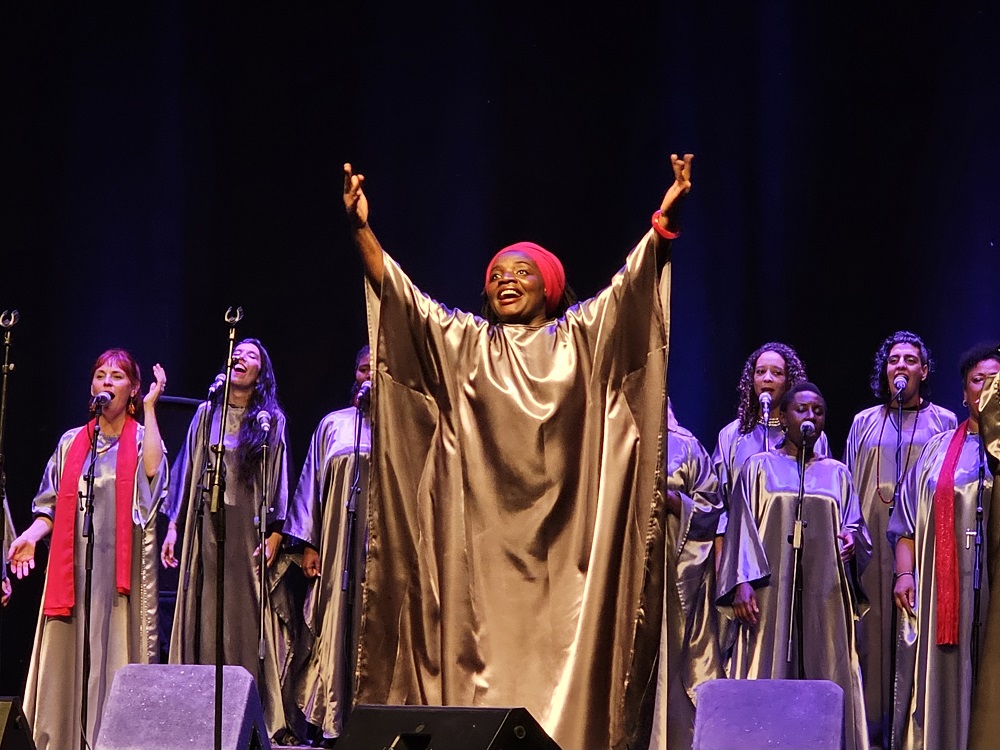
748, 411
978, 353
250, 441
879, 380
567, 300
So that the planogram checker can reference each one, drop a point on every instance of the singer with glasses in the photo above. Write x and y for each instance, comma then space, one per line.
795, 603
130, 477
515, 468
937, 565
328, 517
253, 405
882, 446
767, 373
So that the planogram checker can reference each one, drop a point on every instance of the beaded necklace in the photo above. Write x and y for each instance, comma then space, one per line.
878, 455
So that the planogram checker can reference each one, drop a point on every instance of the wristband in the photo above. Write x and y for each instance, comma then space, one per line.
664, 233
900, 575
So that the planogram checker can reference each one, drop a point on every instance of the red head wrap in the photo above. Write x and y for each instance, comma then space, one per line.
549, 266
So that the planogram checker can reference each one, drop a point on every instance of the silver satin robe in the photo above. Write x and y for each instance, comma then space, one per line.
756, 551
689, 640
936, 682
9, 535
516, 474
123, 628
733, 448
986, 699
870, 454
241, 587
318, 516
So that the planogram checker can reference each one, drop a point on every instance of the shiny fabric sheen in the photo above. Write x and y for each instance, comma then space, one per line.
935, 683
318, 515
515, 476
756, 550
124, 628
689, 642
870, 454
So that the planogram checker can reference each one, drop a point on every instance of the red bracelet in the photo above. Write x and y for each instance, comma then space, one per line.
664, 233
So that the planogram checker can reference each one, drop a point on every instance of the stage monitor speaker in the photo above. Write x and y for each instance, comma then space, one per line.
442, 728
172, 706
15, 734
769, 715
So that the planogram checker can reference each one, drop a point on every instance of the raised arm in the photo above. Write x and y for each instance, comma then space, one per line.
668, 217
356, 205
152, 444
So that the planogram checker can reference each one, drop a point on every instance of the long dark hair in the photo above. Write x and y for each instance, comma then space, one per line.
250, 441
748, 411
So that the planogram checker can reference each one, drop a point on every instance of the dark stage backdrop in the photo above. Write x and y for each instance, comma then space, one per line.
165, 161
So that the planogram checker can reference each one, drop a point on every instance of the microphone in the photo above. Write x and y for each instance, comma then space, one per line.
264, 420
899, 383
765, 405
220, 380
101, 400
808, 428
364, 396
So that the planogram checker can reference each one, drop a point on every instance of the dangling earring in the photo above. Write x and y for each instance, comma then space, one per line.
131, 408
965, 402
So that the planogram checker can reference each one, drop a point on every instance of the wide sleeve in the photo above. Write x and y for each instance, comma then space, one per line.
853, 443
277, 474
150, 492
44, 502
903, 521
305, 511
852, 520
700, 497
743, 556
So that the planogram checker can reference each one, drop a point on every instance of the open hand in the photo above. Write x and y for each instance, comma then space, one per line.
355, 201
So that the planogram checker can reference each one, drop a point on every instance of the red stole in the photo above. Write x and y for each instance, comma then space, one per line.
60, 594
945, 546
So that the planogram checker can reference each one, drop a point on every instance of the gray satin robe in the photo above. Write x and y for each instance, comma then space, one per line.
318, 516
515, 477
9, 535
733, 448
870, 454
986, 699
936, 682
689, 640
241, 587
756, 551
123, 628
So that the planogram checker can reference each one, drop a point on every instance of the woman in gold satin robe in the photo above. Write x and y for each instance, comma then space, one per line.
935, 572
758, 563
130, 482
516, 472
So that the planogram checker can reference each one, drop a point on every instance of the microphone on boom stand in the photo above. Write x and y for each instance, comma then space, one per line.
765, 415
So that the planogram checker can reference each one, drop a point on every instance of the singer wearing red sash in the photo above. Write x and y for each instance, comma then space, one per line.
935, 562
898, 379
130, 481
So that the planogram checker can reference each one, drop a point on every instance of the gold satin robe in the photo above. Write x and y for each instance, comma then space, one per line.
516, 472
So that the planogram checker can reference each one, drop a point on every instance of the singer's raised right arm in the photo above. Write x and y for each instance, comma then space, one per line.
356, 205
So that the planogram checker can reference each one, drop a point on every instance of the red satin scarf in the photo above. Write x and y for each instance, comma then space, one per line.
60, 594
945, 546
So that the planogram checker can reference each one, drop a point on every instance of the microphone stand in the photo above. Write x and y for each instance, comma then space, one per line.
765, 410
893, 616
349, 579
796, 540
217, 507
977, 565
261, 533
7, 321
87, 499
193, 540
